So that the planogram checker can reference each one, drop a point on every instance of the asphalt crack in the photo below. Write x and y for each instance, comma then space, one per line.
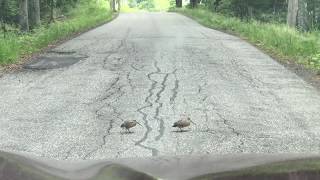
113, 90
233, 130
154, 151
161, 122
129, 80
175, 89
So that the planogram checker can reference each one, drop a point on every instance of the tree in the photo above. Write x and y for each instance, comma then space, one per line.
113, 5
178, 3
52, 6
298, 14
1, 6
23, 15
34, 15
292, 13
193, 3
216, 4
119, 5
2, 17
303, 19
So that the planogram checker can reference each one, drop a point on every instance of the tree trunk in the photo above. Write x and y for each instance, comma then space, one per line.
34, 13
303, 16
119, 5
298, 14
250, 12
216, 4
293, 7
52, 5
193, 3
23, 13
274, 6
3, 13
113, 5
1, 8
178, 3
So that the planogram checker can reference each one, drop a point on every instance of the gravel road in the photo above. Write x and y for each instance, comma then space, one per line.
69, 103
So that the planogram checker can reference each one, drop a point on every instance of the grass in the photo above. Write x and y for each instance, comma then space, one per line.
278, 39
86, 15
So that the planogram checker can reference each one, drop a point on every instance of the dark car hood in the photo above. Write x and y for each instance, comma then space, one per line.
233, 166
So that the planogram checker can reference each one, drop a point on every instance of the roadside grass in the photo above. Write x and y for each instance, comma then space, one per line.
84, 16
277, 39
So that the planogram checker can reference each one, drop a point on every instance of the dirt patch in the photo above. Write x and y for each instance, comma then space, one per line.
308, 75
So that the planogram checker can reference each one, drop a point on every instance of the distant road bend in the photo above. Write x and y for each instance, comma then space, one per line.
151, 67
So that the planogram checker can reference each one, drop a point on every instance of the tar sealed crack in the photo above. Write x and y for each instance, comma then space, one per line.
113, 91
129, 80
161, 123
144, 115
237, 133
175, 89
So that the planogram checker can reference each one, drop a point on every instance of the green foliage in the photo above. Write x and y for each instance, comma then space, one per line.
87, 14
150, 5
315, 61
147, 4
274, 37
161, 5
264, 10
132, 3
8, 11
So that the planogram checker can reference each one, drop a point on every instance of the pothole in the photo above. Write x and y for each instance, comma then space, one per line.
61, 52
54, 59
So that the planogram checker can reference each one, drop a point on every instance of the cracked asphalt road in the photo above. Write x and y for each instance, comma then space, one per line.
152, 67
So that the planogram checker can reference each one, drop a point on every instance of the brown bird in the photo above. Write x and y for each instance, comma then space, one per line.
129, 124
182, 123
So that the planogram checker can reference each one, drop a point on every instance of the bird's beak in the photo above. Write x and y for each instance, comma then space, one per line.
139, 124
193, 122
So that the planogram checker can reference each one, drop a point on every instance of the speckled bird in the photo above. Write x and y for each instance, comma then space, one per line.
182, 123
129, 124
